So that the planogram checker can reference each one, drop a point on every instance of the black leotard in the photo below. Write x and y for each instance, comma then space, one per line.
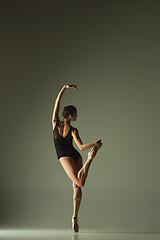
64, 146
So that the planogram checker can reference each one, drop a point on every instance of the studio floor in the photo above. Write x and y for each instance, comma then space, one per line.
69, 235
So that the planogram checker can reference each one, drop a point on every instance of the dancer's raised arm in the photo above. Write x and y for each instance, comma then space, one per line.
55, 116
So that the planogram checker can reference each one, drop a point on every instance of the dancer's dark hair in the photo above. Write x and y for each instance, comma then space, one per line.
69, 110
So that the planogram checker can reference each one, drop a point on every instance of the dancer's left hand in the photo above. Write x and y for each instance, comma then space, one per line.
72, 86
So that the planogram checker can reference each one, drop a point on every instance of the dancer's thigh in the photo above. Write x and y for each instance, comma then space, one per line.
79, 163
70, 167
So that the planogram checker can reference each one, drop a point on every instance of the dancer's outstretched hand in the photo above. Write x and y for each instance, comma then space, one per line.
71, 86
99, 144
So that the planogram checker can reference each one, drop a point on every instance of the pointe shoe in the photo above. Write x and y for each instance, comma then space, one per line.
92, 153
75, 223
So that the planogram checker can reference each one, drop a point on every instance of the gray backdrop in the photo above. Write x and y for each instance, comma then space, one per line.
111, 50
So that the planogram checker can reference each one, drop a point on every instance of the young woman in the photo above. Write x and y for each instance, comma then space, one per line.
68, 156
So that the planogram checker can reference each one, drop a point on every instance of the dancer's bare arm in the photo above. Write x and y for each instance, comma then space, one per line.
55, 116
79, 143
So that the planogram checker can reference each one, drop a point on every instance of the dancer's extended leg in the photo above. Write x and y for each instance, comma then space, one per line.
83, 172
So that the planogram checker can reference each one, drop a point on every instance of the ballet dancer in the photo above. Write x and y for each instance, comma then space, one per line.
69, 157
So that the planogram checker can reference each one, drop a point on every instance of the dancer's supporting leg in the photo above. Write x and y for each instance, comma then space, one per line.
77, 192
77, 196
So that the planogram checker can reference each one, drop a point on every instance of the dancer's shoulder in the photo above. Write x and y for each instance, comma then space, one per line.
74, 130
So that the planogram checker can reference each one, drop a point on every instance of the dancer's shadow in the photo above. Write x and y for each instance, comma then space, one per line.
75, 236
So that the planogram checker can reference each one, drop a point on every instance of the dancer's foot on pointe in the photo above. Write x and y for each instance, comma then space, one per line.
75, 223
92, 153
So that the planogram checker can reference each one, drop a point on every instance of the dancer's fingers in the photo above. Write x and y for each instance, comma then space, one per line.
74, 86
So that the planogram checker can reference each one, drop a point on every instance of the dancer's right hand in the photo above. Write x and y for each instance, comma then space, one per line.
99, 144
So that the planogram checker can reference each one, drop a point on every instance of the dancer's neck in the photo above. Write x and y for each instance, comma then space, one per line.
66, 121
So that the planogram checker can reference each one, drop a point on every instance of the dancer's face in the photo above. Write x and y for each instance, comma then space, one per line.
73, 117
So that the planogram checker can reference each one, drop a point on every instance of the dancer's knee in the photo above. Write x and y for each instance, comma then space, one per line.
75, 186
82, 183
79, 184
